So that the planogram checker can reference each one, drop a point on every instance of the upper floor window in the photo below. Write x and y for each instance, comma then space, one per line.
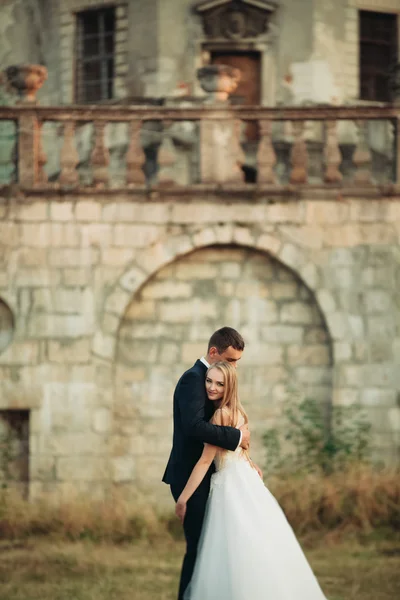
378, 52
95, 55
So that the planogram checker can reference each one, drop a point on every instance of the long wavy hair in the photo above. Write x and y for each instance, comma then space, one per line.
230, 399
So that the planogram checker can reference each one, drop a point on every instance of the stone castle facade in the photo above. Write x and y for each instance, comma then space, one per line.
110, 290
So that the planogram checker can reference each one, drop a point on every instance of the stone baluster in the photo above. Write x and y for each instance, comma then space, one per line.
100, 157
166, 158
28, 149
332, 154
14, 160
266, 157
69, 157
299, 156
42, 158
135, 157
238, 155
362, 157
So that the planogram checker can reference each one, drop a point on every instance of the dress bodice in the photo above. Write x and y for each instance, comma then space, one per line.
223, 458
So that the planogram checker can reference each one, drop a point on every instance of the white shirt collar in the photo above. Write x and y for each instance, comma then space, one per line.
203, 360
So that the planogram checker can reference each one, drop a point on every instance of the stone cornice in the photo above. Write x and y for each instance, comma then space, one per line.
205, 5
377, 5
209, 193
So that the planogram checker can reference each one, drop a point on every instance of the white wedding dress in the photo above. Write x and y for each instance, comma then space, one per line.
247, 549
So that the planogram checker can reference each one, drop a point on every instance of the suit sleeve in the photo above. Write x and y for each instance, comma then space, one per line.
190, 398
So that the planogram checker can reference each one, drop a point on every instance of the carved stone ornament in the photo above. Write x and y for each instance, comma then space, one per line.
219, 81
26, 80
235, 19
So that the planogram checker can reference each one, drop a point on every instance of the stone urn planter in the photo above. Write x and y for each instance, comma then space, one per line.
219, 81
26, 80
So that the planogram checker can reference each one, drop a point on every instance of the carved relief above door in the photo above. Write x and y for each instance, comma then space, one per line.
235, 19
241, 33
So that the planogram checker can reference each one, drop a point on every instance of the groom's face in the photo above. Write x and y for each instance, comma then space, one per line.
230, 355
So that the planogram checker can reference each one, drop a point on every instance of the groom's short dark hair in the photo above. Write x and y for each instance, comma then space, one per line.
225, 337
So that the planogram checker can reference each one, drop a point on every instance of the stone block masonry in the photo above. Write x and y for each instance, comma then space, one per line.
188, 305
110, 297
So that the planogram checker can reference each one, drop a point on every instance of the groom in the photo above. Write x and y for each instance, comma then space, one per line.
192, 412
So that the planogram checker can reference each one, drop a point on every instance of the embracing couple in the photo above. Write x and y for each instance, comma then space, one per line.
239, 543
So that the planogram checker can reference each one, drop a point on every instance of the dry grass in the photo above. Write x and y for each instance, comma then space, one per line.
114, 521
357, 501
349, 525
38, 569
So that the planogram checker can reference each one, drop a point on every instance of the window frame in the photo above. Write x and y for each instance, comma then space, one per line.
102, 58
373, 71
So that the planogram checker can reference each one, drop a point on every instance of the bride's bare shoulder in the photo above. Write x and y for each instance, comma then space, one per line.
221, 416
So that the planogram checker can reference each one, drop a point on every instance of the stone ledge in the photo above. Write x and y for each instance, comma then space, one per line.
189, 193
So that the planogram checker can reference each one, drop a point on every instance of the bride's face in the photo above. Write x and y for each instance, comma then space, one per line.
215, 384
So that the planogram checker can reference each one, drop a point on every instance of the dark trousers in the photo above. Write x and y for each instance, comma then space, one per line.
192, 527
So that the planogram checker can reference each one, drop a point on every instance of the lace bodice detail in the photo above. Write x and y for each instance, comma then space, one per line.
225, 457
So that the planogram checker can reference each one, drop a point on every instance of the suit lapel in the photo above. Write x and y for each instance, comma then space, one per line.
208, 405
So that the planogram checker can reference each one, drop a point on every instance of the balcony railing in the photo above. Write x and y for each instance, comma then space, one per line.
143, 148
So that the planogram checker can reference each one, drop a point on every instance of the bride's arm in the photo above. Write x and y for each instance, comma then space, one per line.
196, 477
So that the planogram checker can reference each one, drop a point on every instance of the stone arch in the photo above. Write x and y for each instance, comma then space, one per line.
143, 378
7, 325
153, 258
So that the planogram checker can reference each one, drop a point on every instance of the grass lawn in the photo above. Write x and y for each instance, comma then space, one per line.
39, 569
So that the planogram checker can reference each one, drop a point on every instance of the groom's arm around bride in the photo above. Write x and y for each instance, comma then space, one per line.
192, 410
190, 398
192, 429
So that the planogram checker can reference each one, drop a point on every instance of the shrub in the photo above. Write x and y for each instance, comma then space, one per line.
312, 440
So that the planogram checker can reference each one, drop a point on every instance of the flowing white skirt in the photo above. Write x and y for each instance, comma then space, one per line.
247, 549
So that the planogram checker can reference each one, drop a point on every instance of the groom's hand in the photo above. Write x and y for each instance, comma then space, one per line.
180, 510
245, 437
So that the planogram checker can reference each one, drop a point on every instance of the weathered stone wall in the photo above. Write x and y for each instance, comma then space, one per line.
112, 297
106, 299
311, 54
29, 33
166, 328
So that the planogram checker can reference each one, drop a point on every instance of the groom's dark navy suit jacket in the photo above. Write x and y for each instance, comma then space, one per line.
192, 411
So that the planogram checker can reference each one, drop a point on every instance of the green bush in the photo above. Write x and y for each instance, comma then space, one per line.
313, 440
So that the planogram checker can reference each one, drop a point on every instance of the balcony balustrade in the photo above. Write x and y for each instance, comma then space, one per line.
346, 149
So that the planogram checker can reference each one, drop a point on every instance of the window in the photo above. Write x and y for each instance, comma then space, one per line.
95, 55
14, 450
378, 52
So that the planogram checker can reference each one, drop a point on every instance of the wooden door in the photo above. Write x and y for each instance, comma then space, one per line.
248, 91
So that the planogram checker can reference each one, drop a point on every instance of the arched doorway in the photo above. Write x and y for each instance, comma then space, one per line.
166, 326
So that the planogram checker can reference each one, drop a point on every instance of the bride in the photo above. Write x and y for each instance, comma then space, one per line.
247, 548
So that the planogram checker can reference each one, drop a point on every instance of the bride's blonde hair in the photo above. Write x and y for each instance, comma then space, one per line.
230, 401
